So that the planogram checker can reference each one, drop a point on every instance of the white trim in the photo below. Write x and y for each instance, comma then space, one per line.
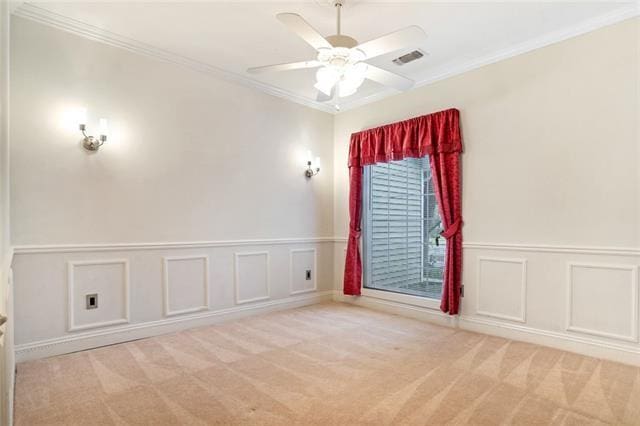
237, 257
549, 248
434, 315
567, 342
523, 288
9, 258
409, 299
91, 32
77, 248
541, 248
633, 337
165, 285
619, 352
453, 69
71, 326
92, 339
314, 271
44, 16
97, 247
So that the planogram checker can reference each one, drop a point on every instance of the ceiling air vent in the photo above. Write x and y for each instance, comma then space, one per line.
409, 57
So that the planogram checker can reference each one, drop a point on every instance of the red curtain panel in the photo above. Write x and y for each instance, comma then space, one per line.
438, 136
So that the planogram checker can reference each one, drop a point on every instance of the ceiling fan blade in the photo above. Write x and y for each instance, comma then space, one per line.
301, 27
401, 39
388, 78
284, 67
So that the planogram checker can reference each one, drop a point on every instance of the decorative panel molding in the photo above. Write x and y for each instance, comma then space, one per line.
602, 300
301, 260
188, 291
502, 288
252, 276
95, 276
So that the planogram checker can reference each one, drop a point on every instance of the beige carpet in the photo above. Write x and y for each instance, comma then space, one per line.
326, 364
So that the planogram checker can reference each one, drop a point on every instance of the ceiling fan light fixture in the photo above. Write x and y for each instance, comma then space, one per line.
326, 78
352, 79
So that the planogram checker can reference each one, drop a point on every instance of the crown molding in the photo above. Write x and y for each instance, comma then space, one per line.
621, 14
44, 16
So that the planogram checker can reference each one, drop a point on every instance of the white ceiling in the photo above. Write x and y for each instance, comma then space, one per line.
232, 36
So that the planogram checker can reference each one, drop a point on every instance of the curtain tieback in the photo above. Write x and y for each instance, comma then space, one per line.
354, 233
453, 229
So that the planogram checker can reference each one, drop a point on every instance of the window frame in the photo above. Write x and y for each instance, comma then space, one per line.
389, 295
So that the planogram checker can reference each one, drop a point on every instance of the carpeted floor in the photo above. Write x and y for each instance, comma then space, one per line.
326, 364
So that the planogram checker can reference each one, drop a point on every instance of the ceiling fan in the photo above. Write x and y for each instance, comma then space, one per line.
342, 61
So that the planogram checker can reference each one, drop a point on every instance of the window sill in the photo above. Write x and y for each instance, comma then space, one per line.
402, 298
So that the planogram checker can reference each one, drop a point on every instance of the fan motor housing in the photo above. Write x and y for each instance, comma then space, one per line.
339, 40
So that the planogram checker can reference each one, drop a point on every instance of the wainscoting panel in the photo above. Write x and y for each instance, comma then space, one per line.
252, 276
166, 288
186, 284
529, 292
302, 270
502, 288
109, 281
602, 300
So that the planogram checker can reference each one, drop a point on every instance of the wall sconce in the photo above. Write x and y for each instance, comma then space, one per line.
313, 166
91, 143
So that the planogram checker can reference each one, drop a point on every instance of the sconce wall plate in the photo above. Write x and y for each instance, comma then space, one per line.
91, 143
311, 171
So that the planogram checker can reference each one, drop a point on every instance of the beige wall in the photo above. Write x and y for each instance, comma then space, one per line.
192, 157
551, 142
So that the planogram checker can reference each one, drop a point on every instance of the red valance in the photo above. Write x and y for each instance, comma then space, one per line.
425, 135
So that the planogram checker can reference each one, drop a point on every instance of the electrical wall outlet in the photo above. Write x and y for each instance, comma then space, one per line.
307, 275
92, 301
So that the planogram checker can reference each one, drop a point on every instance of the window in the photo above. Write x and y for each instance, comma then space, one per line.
404, 251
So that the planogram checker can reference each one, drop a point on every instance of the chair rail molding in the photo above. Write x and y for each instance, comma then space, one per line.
550, 248
75, 248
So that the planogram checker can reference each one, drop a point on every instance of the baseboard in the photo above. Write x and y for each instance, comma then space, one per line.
628, 354
108, 336
625, 353
399, 308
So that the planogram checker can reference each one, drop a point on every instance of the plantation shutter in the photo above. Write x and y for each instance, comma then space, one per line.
404, 251
396, 222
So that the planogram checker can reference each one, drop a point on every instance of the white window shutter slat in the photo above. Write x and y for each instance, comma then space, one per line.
402, 222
